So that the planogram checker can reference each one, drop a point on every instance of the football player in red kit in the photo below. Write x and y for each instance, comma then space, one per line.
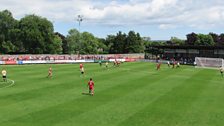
158, 66
91, 86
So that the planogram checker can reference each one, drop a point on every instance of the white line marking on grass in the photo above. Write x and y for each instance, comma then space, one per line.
11, 84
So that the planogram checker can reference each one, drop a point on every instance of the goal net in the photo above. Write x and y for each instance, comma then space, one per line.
202, 62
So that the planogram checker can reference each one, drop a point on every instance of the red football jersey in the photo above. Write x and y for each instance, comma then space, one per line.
80, 65
91, 84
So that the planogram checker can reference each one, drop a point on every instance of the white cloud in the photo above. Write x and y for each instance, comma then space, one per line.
166, 26
165, 14
157, 5
53, 9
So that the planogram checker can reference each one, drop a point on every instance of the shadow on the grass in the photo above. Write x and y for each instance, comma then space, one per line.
86, 94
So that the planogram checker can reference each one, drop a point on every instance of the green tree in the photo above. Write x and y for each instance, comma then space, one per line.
116, 44
110, 40
89, 44
64, 43
8, 47
56, 46
74, 41
215, 38
120, 42
221, 36
206, 40
7, 36
37, 34
83, 43
176, 41
102, 47
139, 44
15, 35
192, 39
134, 43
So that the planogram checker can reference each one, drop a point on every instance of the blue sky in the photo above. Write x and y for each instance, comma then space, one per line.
158, 19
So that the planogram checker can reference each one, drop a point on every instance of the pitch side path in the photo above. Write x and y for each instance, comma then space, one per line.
134, 94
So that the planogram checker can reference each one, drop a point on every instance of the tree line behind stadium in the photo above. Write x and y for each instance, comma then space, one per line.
34, 34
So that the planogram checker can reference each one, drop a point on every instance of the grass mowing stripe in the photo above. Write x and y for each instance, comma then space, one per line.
121, 108
44, 81
115, 102
67, 113
169, 108
72, 102
117, 92
44, 89
113, 85
207, 110
81, 98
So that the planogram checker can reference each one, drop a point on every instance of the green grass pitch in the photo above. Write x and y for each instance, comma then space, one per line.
134, 94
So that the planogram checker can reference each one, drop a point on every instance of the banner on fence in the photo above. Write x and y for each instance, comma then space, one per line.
10, 62
2, 62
